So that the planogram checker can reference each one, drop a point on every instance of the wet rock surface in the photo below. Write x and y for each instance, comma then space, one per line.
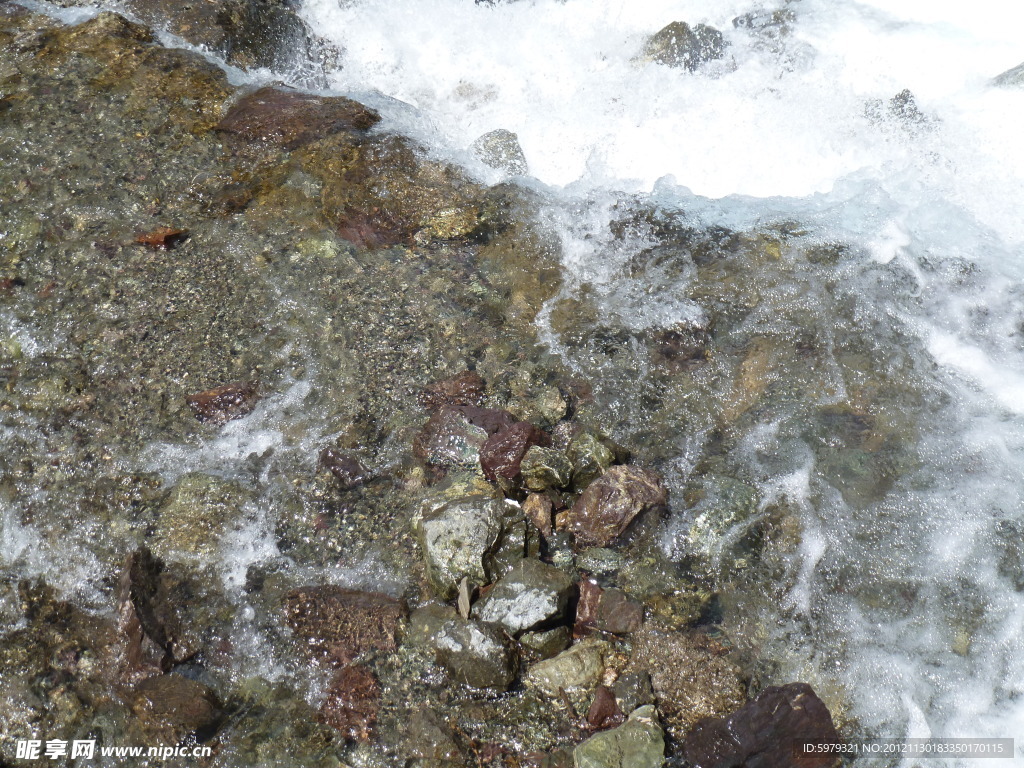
680, 45
457, 540
476, 654
605, 510
530, 595
638, 743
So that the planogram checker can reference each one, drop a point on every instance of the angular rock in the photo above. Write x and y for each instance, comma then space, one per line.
538, 509
680, 45
225, 403
607, 610
604, 711
544, 468
533, 594
632, 690
607, 507
352, 703
173, 707
590, 457
502, 455
691, 680
348, 470
500, 149
549, 643
637, 743
456, 539
762, 733
290, 119
336, 625
425, 624
582, 666
475, 654
466, 388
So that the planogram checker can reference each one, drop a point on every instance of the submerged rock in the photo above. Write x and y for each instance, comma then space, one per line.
290, 119
609, 505
530, 595
466, 388
607, 610
765, 732
502, 455
194, 516
544, 468
476, 654
691, 679
352, 703
454, 435
500, 149
637, 743
590, 456
549, 643
346, 468
456, 539
337, 625
171, 707
225, 403
680, 45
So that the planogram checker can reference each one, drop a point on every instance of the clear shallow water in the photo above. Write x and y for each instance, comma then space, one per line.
909, 603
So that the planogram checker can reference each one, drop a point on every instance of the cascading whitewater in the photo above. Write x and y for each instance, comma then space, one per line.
908, 601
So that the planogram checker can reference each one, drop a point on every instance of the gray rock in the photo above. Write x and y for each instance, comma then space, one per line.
680, 45
1011, 78
632, 690
547, 644
532, 594
500, 149
476, 654
456, 539
544, 468
426, 623
579, 667
637, 743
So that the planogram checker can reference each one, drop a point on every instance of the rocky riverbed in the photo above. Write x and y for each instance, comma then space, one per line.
293, 468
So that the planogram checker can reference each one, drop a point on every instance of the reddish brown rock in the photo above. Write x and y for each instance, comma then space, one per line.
172, 707
467, 388
606, 610
348, 470
291, 119
763, 732
606, 508
502, 454
145, 636
163, 238
352, 703
454, 435
225, 403
336, 624
604, 712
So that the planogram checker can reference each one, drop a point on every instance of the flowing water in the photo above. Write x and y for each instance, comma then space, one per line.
907, 597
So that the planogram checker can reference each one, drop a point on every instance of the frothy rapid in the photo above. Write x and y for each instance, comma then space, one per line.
911, 603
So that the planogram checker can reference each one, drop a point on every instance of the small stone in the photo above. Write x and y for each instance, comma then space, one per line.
225, 403
607, 610
456, 539
352, 703
500, 149
291, 119
680, 45
537, 508
582, 666
467, 388
163, 238
502, 455
476, 654
173, 707
637, 743
764, 732
544, 468
607, 507
348, 470
547, 644
336, 625
531, 595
